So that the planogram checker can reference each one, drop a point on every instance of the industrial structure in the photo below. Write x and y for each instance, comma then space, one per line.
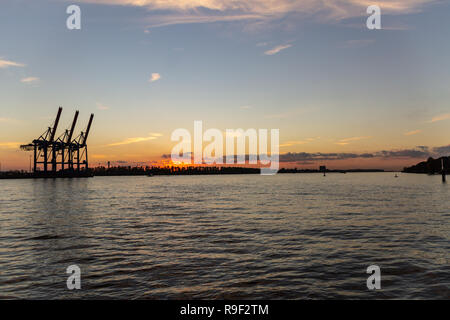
62, 156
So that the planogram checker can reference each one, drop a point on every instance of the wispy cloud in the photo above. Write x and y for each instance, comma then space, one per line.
189, 18
101, 106
246, 107
131, 140
298, 142
410, 133
8, 63
154, 77
29, 79
10, 145
347, 141
277, 49
9, 121
440, 118
152, 136
205, 11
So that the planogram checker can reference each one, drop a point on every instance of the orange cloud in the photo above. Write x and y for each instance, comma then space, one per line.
440, 117
154, 77
277, 49
152, 136
346, 141
410, 133
298, 142
10, 145
131, 140
7, 63
29, 79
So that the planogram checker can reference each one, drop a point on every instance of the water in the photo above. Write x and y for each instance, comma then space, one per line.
290, 236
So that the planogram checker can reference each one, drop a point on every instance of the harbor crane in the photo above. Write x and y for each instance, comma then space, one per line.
71, 155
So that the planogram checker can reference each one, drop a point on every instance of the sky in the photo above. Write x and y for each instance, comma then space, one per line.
340, 94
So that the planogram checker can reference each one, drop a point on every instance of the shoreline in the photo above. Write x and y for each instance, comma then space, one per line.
126, 173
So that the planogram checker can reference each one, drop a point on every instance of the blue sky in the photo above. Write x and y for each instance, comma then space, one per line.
310, 68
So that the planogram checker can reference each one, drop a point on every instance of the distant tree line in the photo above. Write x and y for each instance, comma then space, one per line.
172, 170
168, 170
431, 166
202, 170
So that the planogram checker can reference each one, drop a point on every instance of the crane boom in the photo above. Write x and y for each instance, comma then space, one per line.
88, 129
55, 126
72, 128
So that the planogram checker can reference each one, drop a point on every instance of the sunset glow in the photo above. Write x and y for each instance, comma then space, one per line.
309, 68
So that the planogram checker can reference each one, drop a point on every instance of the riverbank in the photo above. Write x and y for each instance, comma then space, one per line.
154, 171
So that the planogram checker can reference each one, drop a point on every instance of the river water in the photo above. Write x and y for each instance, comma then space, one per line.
289, 236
